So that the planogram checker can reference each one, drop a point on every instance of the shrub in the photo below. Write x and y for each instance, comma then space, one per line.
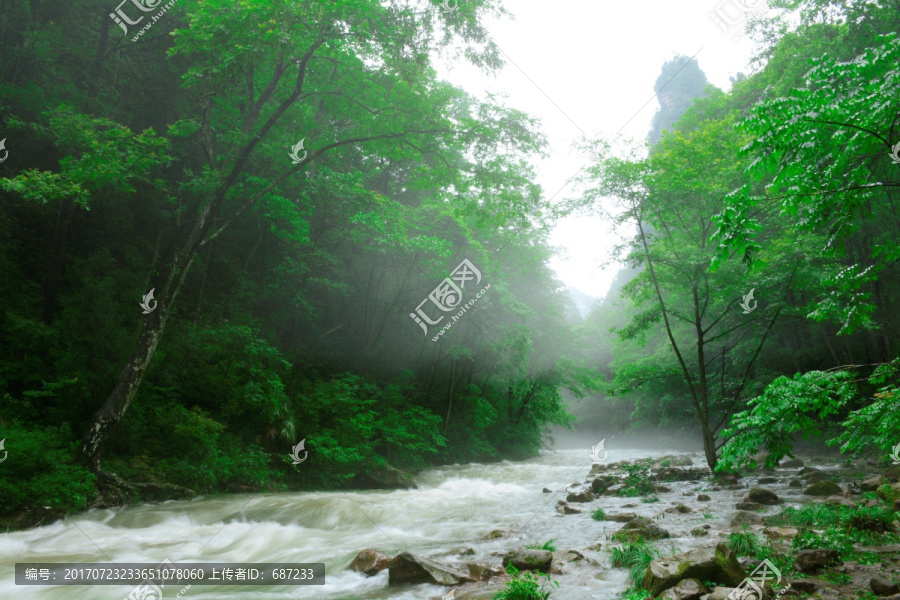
598, 515
636, 557
525, 586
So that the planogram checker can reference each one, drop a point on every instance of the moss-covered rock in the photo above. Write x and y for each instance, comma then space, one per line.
718, 564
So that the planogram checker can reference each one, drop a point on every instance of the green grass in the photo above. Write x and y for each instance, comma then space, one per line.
598, 515
526, 586
548, 545
744, 543
635, 557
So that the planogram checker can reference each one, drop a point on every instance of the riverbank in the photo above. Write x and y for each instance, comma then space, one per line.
459, 514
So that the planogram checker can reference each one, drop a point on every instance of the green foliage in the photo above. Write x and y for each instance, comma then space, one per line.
39, 470
634, 556
638, 481
744, 543
526, 586
548, 545
598, 514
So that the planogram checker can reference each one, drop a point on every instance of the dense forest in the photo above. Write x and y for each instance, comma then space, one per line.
223, 233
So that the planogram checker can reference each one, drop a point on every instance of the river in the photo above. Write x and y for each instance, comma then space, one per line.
454, 506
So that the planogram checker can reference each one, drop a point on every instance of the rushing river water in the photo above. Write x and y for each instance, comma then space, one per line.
453, 507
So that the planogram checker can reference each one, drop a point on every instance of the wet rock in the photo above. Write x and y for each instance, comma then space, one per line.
465, 551
744, 517
584, 496
481, 572
748, 506
699, 532
546, 491
675, 474
629, 506
791, 463
640, 527
795, 483
883, 587
889, 493
621, 517
762, 496
811, 560
839, 501
780, 532
703, 498
872, 483
815, 477
823, 488
601, 484
493, 535
565, 509
728, 479
406, 567
804, 585
808, 470
687, 589
679, 508
765, 480
370, 562
717, 563
525, 559
661, 489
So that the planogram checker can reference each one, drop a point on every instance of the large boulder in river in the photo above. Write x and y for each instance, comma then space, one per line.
409, 568
640, 527
791, 463
525, 559
370, 561
743, 517
687, 589
823, 488
583, 496
717, 564
762, 496
872, 483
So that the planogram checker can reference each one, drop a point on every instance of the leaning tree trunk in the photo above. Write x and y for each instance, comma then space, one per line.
112, 411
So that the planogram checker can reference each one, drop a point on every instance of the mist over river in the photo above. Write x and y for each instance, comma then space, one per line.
454, 506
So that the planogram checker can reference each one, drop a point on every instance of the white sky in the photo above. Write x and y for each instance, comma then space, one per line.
597, 61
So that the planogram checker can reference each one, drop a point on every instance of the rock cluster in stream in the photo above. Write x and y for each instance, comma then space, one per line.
683, 576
